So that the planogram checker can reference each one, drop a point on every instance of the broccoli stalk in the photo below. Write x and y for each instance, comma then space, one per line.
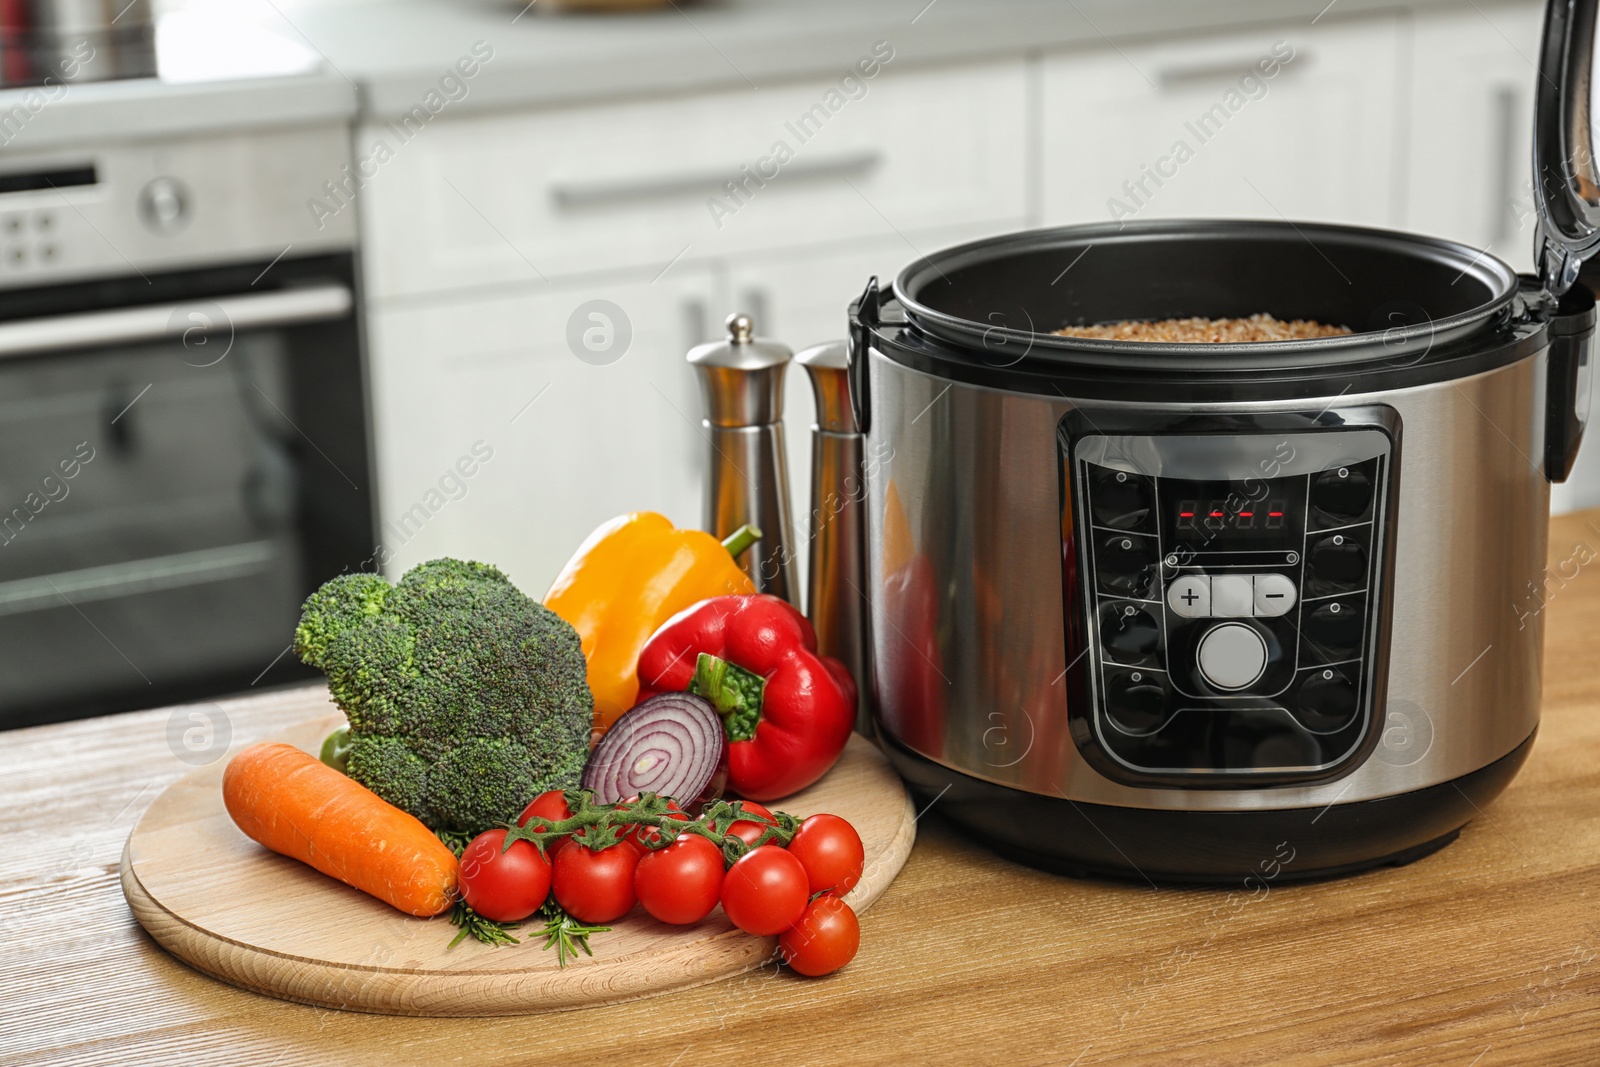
465, 697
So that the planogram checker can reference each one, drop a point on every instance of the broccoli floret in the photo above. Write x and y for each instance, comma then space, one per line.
465, 697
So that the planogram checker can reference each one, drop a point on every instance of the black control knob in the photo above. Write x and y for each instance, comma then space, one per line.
1126, 566
1338, 563
1335, 628
1128, 632
1326, 701
1120, 500
1136, 701
1343, 494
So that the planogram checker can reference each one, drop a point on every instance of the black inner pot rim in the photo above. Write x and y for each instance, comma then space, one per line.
1492, 273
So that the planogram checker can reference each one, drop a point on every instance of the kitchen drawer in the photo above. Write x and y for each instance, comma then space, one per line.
533, 196
1315, 141
573, 442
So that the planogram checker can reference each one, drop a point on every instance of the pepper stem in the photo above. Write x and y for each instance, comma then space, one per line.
741, 539
735, 693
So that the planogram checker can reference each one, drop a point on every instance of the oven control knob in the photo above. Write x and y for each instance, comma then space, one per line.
1342, 494
1232, 655
164, 205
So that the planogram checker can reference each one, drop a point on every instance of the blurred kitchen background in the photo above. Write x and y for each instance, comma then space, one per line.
296, 287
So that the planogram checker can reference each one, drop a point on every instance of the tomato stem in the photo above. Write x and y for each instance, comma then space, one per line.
605, 825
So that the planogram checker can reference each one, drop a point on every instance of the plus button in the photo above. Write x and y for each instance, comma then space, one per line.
1189, 596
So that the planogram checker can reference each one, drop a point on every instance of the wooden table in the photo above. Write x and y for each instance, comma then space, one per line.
1485, 954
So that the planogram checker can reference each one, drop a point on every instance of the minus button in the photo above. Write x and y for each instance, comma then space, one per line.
1275, 594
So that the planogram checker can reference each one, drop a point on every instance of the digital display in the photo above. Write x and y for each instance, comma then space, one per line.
1226, 514
1222, 514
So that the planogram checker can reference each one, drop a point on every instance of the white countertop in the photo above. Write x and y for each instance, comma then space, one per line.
380, 58
92, 112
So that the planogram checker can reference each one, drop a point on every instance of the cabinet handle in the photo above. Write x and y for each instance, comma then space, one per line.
240, 311
1503, 126
1171, 78
603, 193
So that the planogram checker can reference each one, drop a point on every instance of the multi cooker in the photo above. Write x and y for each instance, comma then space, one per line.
1193, 612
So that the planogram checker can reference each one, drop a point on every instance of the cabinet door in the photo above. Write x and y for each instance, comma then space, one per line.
510, 426
1471, 165
1291, 121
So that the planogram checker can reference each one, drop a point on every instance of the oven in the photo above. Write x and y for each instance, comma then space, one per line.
184, 438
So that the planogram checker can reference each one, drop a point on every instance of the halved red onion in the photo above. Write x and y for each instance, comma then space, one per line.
671, 745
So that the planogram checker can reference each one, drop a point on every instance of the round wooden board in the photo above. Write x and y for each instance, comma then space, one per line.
260, 921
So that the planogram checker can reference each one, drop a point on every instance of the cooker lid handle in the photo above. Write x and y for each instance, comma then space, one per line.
1566, 182
864, 315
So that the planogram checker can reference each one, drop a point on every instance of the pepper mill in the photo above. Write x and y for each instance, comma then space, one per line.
741, 380
837, 580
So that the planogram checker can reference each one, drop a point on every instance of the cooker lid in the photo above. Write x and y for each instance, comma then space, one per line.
1566, 182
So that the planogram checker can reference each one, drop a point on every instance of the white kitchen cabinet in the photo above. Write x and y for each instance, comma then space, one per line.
1470, 170
1193, 128
513, 198
574, 442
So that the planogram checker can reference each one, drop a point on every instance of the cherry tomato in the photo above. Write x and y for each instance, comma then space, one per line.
748, 830
504, 886
595, 887
830, 850
682, 882
642, 837
550, 807
825, 938
765, 891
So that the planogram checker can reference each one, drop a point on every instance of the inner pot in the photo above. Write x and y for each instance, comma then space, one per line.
1400, 293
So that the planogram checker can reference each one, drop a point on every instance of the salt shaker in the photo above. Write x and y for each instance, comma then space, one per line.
741, 381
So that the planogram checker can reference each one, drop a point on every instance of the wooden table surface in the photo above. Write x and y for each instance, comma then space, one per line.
1485, 954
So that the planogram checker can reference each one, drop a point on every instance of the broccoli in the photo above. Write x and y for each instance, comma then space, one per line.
465, 697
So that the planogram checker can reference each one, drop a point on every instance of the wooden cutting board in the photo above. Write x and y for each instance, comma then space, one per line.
260, 921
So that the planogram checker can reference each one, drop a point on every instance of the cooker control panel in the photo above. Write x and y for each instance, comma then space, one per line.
1228, 591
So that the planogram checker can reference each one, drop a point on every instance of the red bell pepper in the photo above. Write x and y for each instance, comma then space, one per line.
787, 711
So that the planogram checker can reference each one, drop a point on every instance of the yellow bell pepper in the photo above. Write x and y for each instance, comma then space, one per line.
631, 575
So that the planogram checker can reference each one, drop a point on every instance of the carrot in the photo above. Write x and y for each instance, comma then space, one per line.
298, 806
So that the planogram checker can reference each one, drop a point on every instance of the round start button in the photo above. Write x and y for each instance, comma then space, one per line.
1232, 655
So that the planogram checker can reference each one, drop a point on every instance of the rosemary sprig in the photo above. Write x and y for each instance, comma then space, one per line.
486, 930
564, 933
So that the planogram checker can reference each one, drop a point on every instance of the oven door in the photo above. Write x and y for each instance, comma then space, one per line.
175, 476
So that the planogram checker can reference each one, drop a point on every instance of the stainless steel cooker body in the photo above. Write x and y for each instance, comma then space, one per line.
976, 475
